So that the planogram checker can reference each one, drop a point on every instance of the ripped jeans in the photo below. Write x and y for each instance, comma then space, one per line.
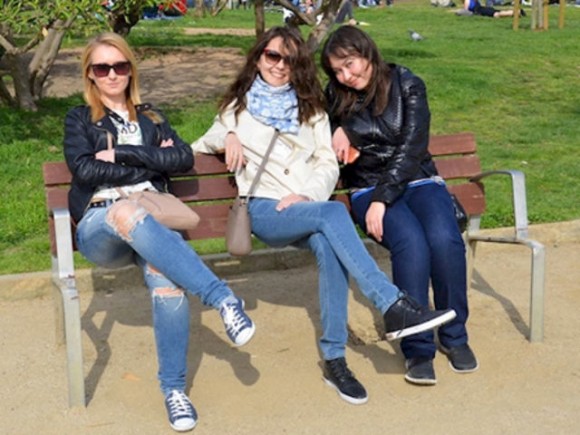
124, 234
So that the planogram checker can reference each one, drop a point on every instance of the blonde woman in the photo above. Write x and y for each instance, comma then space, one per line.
114, 232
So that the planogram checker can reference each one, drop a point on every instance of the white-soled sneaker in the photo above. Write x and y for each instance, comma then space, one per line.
180, 410
338, 376
406, 317
239, 326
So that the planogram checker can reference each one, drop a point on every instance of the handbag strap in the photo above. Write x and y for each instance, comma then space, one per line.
109, 140
263, 164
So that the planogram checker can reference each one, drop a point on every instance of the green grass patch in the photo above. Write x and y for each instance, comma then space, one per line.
517, 91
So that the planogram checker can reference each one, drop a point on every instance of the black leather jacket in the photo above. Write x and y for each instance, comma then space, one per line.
133, 164
394, 144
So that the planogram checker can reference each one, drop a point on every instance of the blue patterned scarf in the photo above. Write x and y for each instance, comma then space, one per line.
274, 106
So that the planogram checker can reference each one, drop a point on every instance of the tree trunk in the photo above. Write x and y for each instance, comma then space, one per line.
21, 79
325, 26
319, 33
45, 56
221, 4
199, 6
259, 15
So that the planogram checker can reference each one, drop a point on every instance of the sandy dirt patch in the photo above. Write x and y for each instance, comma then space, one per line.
273, 385
165, 76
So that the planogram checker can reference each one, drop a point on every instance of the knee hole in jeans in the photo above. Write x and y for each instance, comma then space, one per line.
168, 292
152, 270
123, 215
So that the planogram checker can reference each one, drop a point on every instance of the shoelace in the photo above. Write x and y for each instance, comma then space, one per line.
339, 369
179, 405
414, 305
233, 318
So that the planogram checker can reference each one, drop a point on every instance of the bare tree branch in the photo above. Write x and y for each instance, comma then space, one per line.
7, 45
305, 18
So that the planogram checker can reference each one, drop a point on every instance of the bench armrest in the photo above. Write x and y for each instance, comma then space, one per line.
518, 182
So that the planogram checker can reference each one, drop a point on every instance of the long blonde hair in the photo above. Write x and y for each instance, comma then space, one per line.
91, 92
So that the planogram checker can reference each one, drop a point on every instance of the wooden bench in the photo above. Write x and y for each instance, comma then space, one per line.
209, 189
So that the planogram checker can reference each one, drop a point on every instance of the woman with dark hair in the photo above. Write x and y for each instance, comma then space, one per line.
277, 99
114, 232
380, 110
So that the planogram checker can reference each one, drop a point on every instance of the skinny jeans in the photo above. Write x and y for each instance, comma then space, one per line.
421, 232
171, 269
327, 230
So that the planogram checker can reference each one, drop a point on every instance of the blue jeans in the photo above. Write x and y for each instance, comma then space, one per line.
327, 230
421, 233
124, 234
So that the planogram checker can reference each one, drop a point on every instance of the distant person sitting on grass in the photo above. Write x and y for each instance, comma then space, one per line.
477, 9
347, 11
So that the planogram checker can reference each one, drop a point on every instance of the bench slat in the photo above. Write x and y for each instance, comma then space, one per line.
447, 144
56, 173
204, 189
458, 167
208, 164
212, 224
56, 197
471, 196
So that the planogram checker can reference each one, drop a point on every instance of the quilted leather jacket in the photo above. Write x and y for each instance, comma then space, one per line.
133, 164
393, 146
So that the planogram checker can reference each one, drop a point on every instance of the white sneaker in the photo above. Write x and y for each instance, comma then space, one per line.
239, 326
180, 410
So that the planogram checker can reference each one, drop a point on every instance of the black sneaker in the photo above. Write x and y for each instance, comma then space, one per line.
181, 413
461, 358
420, 371
405, 317
338, 376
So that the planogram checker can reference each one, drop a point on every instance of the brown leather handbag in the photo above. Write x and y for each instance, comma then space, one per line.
166, 208
239, 228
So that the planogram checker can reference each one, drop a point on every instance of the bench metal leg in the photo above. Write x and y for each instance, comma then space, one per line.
520, 236
72, 334
537, 291
538, 266
67, 308
471, 246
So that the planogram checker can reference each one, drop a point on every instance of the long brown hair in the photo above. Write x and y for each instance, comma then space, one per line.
303, 74
91, 92
350, 41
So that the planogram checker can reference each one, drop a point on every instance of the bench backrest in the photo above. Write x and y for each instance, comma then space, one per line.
209, 188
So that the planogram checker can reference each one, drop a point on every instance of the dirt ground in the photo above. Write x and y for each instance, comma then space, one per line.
273, 385
165, 76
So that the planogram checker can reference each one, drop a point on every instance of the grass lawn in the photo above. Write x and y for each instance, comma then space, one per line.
518, 91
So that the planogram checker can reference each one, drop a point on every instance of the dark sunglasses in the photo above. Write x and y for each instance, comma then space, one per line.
273, 57
103, 69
